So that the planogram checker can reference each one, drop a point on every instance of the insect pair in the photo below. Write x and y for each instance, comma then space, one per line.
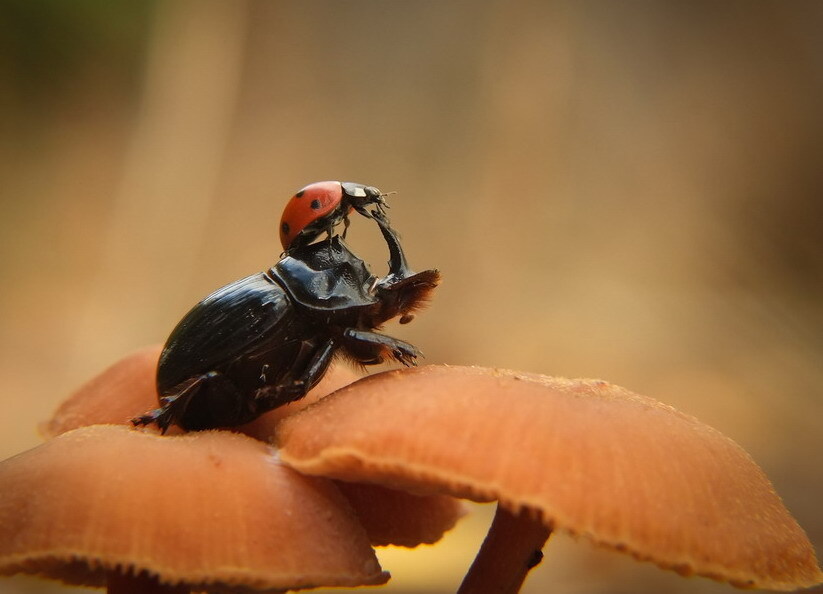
265, 340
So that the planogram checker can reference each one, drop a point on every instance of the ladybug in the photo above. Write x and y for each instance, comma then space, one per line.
321, 206
265, 340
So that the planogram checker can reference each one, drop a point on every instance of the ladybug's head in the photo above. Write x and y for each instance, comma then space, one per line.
404, 296
359, 196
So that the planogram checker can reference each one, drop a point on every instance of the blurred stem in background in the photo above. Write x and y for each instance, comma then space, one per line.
174, 161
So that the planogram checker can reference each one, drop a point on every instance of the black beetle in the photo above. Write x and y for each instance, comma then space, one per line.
265, 340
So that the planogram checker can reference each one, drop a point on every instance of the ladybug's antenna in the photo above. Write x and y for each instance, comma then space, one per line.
382, 204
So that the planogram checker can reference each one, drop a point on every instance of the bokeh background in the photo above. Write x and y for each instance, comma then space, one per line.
624, 190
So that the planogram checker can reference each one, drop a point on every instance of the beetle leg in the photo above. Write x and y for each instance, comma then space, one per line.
198, 403
272, 396
159, 416
172, 406
371, 348
318, 364
398, 265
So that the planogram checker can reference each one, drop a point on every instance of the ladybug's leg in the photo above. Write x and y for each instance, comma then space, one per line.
371, 348
205, 401
346, 223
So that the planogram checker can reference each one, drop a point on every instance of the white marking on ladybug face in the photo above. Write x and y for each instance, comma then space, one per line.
357, 192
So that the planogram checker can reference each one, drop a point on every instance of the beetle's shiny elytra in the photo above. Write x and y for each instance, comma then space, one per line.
265, 340
321, 206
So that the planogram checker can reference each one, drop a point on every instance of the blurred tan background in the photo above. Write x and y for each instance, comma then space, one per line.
627, 190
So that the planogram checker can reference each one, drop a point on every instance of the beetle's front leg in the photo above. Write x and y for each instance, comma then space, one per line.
371, 348
398, 265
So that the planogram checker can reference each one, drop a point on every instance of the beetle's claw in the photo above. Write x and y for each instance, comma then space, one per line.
163, 417
406, 360
158, 416
407, 355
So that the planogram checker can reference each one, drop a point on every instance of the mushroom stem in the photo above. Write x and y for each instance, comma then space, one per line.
511, 549
119, 583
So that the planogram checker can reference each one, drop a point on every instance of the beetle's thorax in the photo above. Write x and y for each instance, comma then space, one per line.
326, 277
330, 284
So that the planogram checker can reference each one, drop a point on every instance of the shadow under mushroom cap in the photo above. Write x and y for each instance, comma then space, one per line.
210, 510
588, 457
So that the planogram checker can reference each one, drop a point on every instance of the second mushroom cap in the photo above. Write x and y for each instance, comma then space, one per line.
588, 457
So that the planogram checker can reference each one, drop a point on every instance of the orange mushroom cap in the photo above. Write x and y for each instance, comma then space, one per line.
127, 389
586, 456
210, 510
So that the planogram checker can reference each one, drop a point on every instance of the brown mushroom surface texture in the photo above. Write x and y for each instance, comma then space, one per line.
586, 456
210, 510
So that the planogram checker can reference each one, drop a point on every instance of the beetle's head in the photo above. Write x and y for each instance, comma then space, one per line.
404, 296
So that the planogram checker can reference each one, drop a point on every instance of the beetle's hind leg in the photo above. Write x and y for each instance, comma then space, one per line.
205, 401
158, 416
172, 407
171, 410
371, 348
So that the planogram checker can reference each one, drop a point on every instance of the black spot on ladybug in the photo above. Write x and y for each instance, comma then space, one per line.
285, 227
315, 204
299, 194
